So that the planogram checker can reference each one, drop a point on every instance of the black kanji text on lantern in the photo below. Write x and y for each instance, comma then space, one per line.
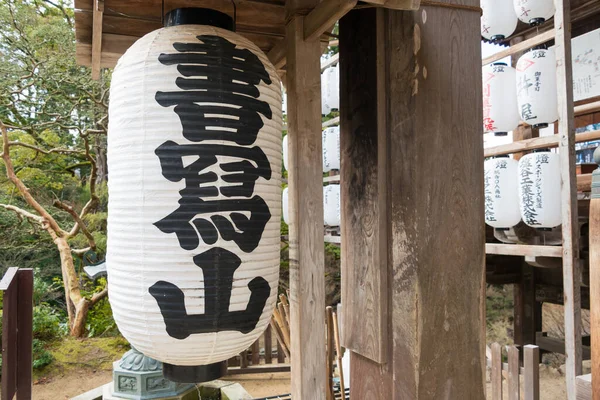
218, 101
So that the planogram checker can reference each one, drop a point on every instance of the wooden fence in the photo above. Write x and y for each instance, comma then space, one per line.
265, 355
511, 372
17, 333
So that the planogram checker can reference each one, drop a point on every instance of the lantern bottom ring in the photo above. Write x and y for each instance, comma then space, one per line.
500, 133
194, 374
497, 38
540, 126
536, 21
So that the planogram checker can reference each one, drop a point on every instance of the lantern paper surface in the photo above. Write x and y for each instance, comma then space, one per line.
536, 87
325, 109
285, 152
285, 204
194, 151
501, 192
331, 205
331, 96
500, 109
539, 189
331, 148
534, 12
498, 20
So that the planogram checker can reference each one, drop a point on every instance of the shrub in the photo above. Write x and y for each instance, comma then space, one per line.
41, 356
46, 323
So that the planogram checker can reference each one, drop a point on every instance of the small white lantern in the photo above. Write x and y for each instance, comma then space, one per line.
285, 152
331, 205
325, 109
534, 12
536, 88
539, 189
501, 192
285, 205
331, 148
332, 89
500, 110
194, 194
498, 20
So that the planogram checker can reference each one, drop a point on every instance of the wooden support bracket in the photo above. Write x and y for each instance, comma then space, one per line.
396, 4
325, 15
97, 38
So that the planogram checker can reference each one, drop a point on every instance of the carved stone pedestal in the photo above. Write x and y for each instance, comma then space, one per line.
138, 377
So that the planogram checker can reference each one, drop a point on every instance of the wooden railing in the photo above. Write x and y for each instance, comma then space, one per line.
265, 355
511, 371
17, 333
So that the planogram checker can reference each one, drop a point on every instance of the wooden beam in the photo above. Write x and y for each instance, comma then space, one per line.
594, 246
568, 197
522, 46
325, 15
396, 4
307, 271
523, 250
556, 345
97, 38
537, 143
277, 54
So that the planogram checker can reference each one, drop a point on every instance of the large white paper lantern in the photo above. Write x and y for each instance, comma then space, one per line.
194, 151
331, 148
534, 12
285, 204
536, 87
501, 192
539, 189
331, 205
286, 152
500, 110
498, 20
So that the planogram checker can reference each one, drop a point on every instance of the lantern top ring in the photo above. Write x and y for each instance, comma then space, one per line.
199, 16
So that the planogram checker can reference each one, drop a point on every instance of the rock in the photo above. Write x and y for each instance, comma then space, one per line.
234, 392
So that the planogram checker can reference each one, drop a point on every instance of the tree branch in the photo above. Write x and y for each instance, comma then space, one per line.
47, 152
98, 296
78, 221
23, 213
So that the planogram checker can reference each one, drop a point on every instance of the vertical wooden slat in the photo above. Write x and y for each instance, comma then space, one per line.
9, 335
594, 237
268, 346
570, 227
256, 352
244, 359
97, 37
307, 271
531, 381
25, 333
330, 352
496, 371
280, 353
513, 373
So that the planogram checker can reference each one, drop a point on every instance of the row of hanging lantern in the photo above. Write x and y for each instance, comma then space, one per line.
194, 206
527, 93
331, 149
528, 190
331, 205
499, 18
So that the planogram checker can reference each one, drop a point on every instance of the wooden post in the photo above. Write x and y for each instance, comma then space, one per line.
531, 381
496, 371
514, 367
307, 271
570, 227
594, 236
268, 346
410, 104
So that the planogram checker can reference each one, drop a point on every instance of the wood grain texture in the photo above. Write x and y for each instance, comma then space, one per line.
520, 47
513, 373
523, 250
537, 143
307, 272
25, 334
568, 196
325, 15
436, 202
584, 387
595, 292
363, 137
531, 364
268, 345
97, 38
496, 371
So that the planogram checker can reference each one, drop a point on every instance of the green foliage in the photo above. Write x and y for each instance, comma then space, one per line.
41, 356
47, 324
100, 321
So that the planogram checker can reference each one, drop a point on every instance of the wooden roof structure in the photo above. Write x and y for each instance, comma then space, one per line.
105, 29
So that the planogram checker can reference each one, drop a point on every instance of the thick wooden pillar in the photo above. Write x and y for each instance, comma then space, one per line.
307, 272
412, 193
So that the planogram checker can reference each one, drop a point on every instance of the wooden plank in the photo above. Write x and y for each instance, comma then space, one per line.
244, 359
258, 369
531, 381
306, 252
537, 143
330, 351
555, 345
256, 352
594, 251
513, 373
523, 250
496, 371
280, 353
584, 182
520, 47
437, 227
568, 197
364, 178
97, 38
334, 59
584, 387
268, 345
396, 4
325, 15
587, 108
25, 334
10, 299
